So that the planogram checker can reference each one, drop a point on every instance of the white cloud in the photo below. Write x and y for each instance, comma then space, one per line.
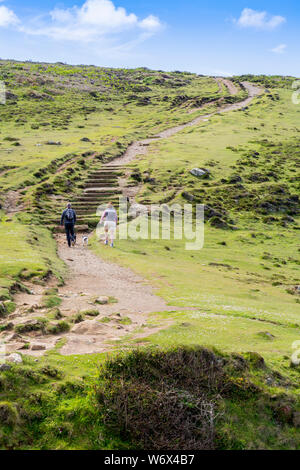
99, 24
7, 17
279, 49
150, 23
259, 19
94, 19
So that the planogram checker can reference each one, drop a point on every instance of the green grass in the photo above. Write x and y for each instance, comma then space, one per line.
29, 253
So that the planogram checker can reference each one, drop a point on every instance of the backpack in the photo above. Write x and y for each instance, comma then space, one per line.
69, 215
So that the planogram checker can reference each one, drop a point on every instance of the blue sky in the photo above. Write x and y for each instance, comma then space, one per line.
214, 38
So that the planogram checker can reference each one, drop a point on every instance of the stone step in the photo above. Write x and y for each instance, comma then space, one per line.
95, 206
104, 182
113, 167
79, 228
94, 200
114, 174
102, 191
103, 176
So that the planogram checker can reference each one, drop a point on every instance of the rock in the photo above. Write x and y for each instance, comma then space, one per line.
200, 172
88, 327
288, 218
33, 308
38, 347
102, 300
266, 335
52, 142
235, 179
10, 96
188, 196
4, 367
217, 222
13, 337
209, 212
15, 358
85, 139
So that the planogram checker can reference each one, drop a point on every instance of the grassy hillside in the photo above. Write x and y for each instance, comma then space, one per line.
242, 283
236, 297
51, 108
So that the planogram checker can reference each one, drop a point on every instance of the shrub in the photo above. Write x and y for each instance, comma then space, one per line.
161, 400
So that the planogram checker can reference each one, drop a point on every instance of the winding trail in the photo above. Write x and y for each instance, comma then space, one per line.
90, 277
141, 147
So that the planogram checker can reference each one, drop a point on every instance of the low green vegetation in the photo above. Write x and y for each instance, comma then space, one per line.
29, 253
178, 398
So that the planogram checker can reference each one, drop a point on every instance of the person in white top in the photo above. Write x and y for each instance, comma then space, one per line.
110, 225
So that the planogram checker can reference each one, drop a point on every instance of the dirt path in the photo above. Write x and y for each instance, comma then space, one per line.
91, 277
233, 90
130, 301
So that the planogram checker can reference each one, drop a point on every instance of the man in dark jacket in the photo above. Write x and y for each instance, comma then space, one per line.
68, 219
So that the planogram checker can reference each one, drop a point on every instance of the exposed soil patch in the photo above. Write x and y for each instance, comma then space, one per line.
11, 202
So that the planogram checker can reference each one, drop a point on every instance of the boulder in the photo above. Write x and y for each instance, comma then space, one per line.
200, 172
52, 142
85, 139
88, 327
4, 367
209, 212
217, 222
38, 347
102, 300
235, 179
188, 196
13, 337
15, 358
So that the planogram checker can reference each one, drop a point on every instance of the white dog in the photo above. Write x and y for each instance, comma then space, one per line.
85, 241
